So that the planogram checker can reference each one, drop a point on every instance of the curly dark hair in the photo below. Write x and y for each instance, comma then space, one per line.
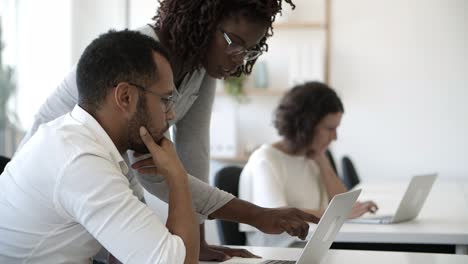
300, 111
189, 25
113, 57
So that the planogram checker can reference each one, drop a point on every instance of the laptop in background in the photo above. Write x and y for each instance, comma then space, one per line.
410, 206
317, 248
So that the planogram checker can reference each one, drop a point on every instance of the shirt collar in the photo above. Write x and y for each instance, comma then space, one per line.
83, 117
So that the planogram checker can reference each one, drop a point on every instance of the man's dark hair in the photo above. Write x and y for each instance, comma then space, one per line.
300, 111
190, 24
113, 57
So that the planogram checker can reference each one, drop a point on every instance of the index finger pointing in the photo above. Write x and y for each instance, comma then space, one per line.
309, 217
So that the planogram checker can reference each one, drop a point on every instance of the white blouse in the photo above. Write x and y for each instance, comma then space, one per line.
272, 178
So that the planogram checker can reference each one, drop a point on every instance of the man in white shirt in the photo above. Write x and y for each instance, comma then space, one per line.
65, 192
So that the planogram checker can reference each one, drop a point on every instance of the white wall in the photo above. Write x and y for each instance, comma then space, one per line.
141, 12
51, 36
43, 52
91, 18
401, 68
8, 24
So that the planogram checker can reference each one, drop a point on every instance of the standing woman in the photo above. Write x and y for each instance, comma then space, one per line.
207, 40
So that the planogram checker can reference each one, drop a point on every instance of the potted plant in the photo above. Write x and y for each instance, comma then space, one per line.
234, 86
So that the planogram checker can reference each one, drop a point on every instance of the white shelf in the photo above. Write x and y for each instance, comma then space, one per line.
238, 159
299, 25
256, 92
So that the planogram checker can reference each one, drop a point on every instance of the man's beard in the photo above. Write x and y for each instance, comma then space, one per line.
141, 118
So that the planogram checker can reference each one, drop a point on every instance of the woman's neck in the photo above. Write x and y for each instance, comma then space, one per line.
285, 147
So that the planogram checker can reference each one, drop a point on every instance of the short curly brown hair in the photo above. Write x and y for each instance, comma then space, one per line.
189, 25
300, 111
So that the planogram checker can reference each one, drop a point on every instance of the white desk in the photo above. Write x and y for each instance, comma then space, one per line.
442, 221
362, 257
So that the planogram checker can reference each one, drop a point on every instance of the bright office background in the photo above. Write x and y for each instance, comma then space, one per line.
44, 39
401, 68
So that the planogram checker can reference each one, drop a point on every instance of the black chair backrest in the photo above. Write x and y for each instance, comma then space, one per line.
3, 163
332, 160
350, 176
227, 179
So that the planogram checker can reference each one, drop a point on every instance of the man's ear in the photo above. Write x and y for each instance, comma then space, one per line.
125, 97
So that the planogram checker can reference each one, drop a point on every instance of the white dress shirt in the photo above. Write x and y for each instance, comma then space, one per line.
65, 193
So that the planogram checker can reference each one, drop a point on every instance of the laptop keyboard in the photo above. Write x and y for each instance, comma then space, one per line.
278, 262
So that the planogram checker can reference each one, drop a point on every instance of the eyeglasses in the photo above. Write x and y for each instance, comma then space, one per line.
239, 50
168, 102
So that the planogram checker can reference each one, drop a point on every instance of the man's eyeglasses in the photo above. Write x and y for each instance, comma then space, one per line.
168, 102
239, 50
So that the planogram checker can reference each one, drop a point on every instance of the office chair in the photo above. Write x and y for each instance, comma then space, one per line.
332, 160
3, 163
350, 176
227, 179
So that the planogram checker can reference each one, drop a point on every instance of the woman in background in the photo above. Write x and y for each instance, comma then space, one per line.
295, 171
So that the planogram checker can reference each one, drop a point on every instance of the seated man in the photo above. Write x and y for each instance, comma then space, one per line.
67, 191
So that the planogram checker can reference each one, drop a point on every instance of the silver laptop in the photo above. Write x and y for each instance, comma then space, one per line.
327, 229
410, 205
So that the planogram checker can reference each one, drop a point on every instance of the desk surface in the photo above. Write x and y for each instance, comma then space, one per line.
362, 257
443, 219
